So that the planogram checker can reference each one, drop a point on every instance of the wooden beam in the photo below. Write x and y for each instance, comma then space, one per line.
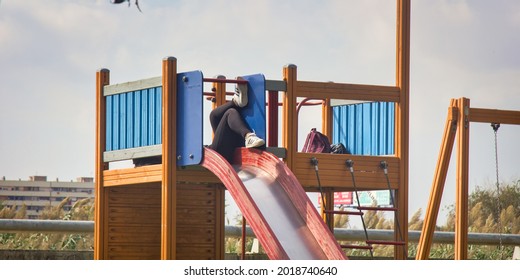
402, 133
290, 117
169, 174
494, 116
439, 179
461, 197
102, 79
335, 174
322, 90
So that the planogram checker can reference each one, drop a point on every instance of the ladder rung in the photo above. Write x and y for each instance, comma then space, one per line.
377, 208
364, 247
343, 212
384, 242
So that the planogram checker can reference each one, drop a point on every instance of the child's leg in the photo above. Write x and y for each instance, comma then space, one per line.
229, 134
218, 113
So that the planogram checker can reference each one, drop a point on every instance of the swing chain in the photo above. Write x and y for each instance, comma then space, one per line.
495, 127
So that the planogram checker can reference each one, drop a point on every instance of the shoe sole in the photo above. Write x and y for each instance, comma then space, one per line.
256, 144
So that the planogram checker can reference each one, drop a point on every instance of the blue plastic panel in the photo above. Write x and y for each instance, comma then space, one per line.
254, 113
365, 128
133, 119
189, 118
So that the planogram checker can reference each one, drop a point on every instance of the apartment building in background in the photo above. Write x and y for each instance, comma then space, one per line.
38, 193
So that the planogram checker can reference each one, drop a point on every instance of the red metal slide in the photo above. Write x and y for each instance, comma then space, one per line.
275, 205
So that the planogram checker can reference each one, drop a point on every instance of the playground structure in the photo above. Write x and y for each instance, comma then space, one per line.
175, 209
460, 115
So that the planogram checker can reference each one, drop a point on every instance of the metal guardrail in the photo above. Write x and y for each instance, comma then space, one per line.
54, 226
18, 225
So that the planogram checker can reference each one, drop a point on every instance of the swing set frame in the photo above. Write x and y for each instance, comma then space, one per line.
460, 115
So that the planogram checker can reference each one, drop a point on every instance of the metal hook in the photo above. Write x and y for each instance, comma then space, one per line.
314, 162
384, 166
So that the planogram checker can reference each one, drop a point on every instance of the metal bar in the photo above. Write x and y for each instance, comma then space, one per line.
377, 208
385, 242
362, 247
359, 213
47, 226
272, 119
225, 81
275, 85
341, 234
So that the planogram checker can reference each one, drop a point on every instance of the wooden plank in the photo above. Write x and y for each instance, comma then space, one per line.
130, 176
197, 203
135, 248
134, 221
132, 86
199, 221
131, 153
196, 190
142, 237
344, 186
132, 200
153, 173
148, 188
220, 209
494, 116
133, 251
337, 162
439, 180
195, 252
201, 176
334, 172
140, 217
323, 90
359, 177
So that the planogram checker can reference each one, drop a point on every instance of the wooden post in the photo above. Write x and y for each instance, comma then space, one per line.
326, 116
220, 92
169, 167
290, 118
439, 179
100, 240
461, 197
402, 120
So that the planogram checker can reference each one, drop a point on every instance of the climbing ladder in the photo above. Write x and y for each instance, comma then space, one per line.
359, 211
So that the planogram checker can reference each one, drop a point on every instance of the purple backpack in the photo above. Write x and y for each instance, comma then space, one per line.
316, 142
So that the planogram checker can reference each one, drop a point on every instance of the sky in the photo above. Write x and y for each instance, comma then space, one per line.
50, 52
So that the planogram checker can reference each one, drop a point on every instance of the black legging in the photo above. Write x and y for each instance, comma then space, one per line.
229, 129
